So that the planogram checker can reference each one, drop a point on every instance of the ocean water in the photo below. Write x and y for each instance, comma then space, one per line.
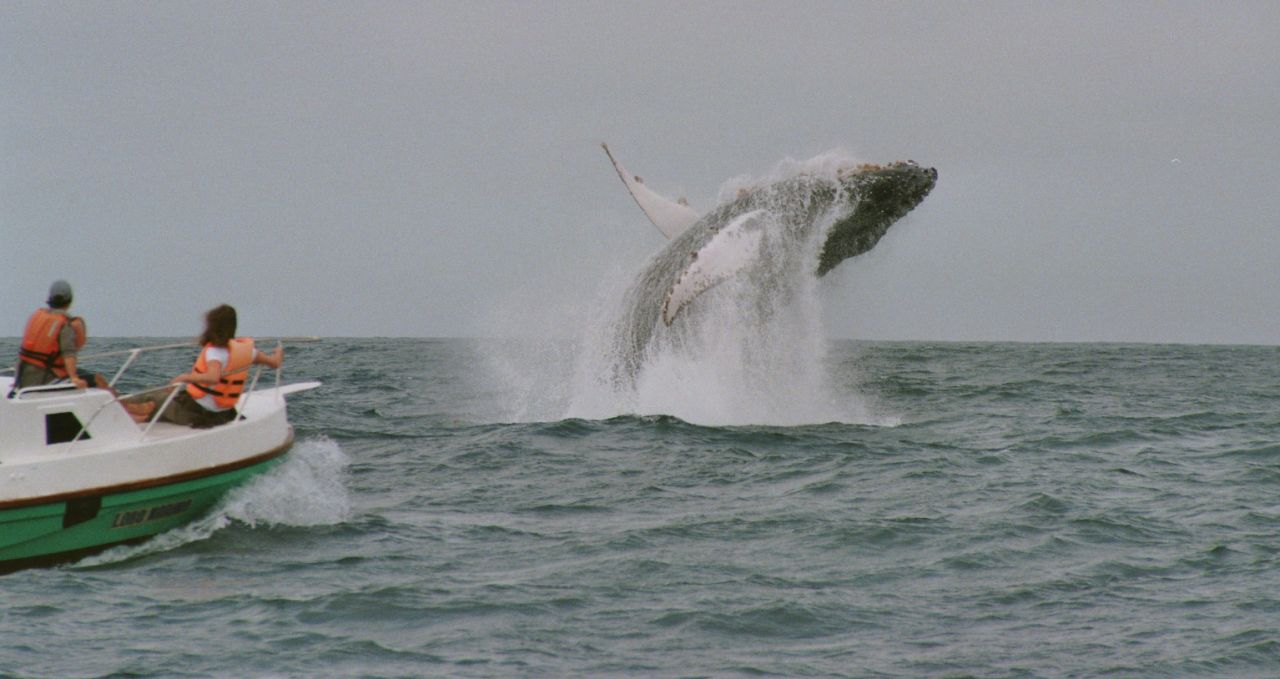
462, 508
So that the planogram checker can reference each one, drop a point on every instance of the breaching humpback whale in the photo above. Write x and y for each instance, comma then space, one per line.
811, 221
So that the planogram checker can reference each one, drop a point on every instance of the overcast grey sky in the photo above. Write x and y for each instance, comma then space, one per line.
1107, 171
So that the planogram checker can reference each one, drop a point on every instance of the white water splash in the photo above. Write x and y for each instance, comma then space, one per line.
756, 354
551, 359
305, 489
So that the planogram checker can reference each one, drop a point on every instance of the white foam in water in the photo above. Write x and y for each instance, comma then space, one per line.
756, 355
305, 489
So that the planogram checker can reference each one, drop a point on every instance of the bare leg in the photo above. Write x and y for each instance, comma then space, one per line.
141, 408
140, 412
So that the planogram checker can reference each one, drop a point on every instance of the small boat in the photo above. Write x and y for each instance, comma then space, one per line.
79, 475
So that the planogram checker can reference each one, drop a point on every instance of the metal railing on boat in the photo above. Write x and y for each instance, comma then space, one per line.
118, 398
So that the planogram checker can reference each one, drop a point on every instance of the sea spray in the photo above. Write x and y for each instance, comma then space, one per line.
755, 353
545, 364
307, 489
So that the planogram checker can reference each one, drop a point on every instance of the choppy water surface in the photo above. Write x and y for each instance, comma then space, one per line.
986, 510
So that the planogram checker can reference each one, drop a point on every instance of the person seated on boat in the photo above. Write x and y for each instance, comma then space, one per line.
51, 345
208, 394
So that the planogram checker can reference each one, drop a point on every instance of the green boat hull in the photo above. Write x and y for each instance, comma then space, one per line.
69, 529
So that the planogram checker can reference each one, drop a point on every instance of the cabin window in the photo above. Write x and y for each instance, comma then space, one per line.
81, 509
61, 428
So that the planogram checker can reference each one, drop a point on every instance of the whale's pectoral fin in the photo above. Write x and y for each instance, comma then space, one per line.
727, 253
670, 216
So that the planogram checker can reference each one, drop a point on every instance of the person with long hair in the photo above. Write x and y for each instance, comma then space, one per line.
210, 391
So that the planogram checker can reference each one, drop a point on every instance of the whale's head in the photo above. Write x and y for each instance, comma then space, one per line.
878, 196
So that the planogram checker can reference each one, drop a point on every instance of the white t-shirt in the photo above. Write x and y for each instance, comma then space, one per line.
222, 356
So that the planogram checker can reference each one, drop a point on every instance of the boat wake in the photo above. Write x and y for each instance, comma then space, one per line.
306, 489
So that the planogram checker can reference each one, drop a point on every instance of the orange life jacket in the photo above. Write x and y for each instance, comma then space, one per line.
226, 392
40, 345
